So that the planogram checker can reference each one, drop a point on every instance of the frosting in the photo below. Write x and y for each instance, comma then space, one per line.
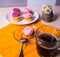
47, 9
27, 10
15, 14
28, 30
15, 10
27, 15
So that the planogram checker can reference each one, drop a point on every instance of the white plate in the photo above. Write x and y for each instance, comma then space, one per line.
22, 22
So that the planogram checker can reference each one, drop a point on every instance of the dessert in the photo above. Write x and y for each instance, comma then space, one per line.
27, 10
16, 14
28, 32
16, 17
16, 10
28, 17
47, 13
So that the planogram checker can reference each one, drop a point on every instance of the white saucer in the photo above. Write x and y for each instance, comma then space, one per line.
22, 22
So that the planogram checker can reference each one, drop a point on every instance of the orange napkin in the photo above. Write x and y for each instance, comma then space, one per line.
9, 47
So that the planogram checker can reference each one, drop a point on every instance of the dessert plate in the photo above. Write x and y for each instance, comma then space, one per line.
22, 22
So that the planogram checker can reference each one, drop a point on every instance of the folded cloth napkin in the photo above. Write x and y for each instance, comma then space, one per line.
9, 47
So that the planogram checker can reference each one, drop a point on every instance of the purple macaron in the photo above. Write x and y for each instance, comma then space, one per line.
16, 10
15, 14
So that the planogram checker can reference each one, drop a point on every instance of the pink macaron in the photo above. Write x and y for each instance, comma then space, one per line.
27, 10
27, 15
28, 30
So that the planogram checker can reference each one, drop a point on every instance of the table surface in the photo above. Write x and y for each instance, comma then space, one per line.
4, 12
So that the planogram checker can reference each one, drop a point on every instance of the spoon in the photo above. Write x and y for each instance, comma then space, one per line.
23, 41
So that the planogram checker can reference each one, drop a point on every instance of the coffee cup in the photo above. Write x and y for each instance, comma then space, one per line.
47, 42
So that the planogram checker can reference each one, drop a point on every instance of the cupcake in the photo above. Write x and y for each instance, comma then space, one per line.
28, 17
27, 10
28, 32
16, 17
47, 13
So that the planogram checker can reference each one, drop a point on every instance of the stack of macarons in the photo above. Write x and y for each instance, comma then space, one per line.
16, 14
28, 15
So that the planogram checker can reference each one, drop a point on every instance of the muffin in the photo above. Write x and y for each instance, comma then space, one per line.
28, 17
27, 10
28, 32
47, 13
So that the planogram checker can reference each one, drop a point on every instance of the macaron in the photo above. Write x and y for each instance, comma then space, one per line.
28, 30
16, 10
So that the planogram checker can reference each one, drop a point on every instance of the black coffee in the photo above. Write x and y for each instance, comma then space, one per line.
48, 40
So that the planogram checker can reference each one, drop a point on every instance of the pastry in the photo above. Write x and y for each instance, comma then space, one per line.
28, 32
16, 17
27, 10
16, 10
28, 17
16, 14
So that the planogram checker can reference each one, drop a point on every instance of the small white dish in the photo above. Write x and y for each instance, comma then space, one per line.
22, 22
